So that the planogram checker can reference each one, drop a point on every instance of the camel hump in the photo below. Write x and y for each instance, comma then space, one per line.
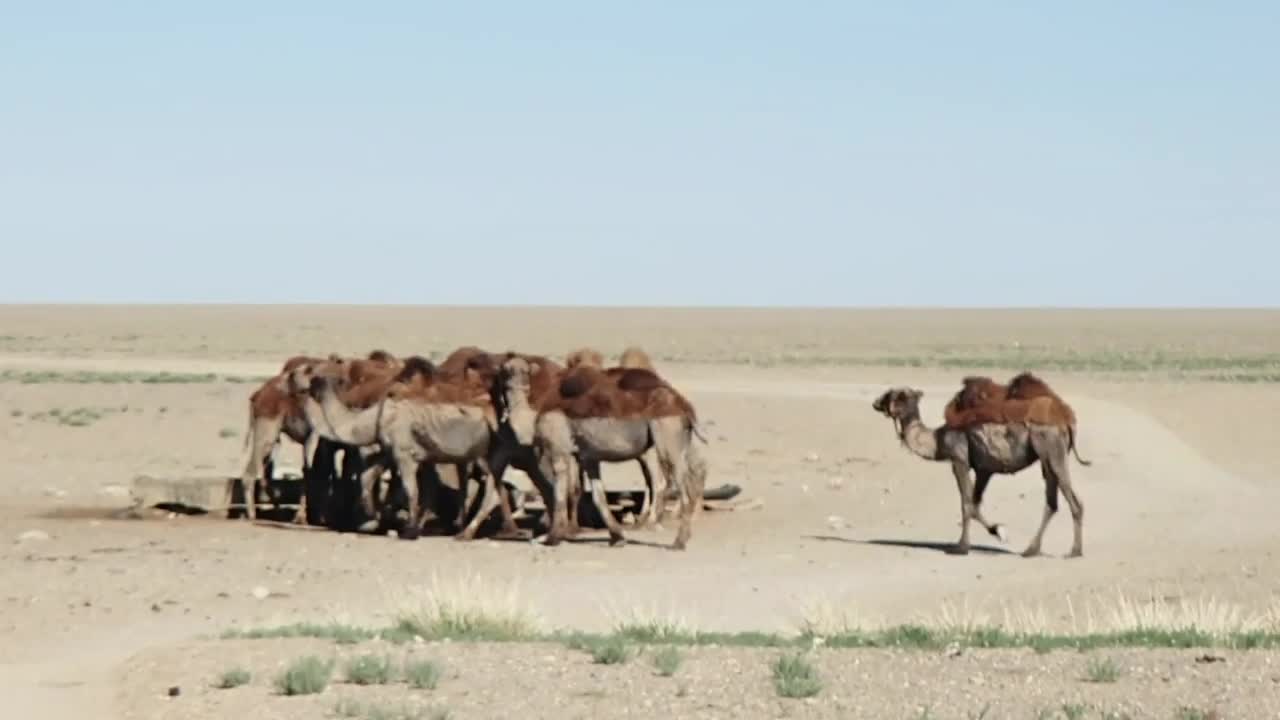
381, 356
639, 380
575, 384
1025, 386
414, 367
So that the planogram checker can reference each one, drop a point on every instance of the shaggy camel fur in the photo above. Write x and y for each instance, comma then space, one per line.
440, 420
1026, 399
988, 449
601, 416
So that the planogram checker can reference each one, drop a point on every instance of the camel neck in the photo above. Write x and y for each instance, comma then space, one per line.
918, 438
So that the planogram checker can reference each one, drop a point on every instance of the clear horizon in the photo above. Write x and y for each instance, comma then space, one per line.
719, 155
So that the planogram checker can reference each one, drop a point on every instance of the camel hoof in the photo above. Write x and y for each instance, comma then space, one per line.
1001, 534
410, 533
1031, 552
509, 534
617, 541
1075, 554
958, 550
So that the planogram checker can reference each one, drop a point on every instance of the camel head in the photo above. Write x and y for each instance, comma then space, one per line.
310, 377
511, 395
898, 403
586, 357
636, 359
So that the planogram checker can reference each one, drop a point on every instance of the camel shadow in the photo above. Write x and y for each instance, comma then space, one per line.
942, 547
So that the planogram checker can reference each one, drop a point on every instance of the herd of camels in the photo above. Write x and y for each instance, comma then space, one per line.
476, 413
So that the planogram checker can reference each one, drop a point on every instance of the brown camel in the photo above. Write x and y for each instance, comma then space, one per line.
589, 357
600, 416
990, 448
438, 420
272, 411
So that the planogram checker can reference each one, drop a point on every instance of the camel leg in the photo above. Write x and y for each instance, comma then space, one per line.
557, 466
595, 486
963, 484
574, 504
983, 477
265, 431
369, 478
409, 483
655, 497
498, 466
695, 483
1058, 466
309, 449
488, 503
671, 443
1050, 507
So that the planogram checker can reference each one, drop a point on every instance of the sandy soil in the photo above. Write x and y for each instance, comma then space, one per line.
102, 615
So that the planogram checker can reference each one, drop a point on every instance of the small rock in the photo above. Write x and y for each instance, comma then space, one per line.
118, 491
835, 483
811, 457
954, 650
55, 492
175, 691
155, 607
261, 593
835, 522
33, 536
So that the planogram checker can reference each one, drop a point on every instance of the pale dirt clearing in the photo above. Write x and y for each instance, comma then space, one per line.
1180, 502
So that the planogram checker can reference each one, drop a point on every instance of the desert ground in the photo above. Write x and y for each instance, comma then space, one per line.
1178, 412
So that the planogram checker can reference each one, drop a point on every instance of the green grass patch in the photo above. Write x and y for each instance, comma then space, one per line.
795, 677
422, 674
667, 660
305, 676
1102, 670
96, 377
339, 633
234, 678
906, 637
369, 670
472, 627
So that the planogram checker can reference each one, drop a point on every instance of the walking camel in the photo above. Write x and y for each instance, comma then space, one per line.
996, 436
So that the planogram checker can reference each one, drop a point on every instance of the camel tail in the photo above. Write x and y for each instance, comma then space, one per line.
249, 430
1071, 444
697, 432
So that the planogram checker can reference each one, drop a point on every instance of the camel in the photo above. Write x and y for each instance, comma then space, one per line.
438, 419
1026, 399
273, 409
601, 416
990, 448
589, 357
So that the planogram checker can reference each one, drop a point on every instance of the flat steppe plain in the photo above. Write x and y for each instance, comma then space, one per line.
1178, 410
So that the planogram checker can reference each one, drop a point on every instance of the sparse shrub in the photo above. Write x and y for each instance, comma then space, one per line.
234, 678
667, 660
305, 676
611, 651
1102, 670
422, 674
795, 677
369, 670
227, 432
1073, 711
1189, 713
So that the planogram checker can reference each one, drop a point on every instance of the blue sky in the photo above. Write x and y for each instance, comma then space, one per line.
660, 153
